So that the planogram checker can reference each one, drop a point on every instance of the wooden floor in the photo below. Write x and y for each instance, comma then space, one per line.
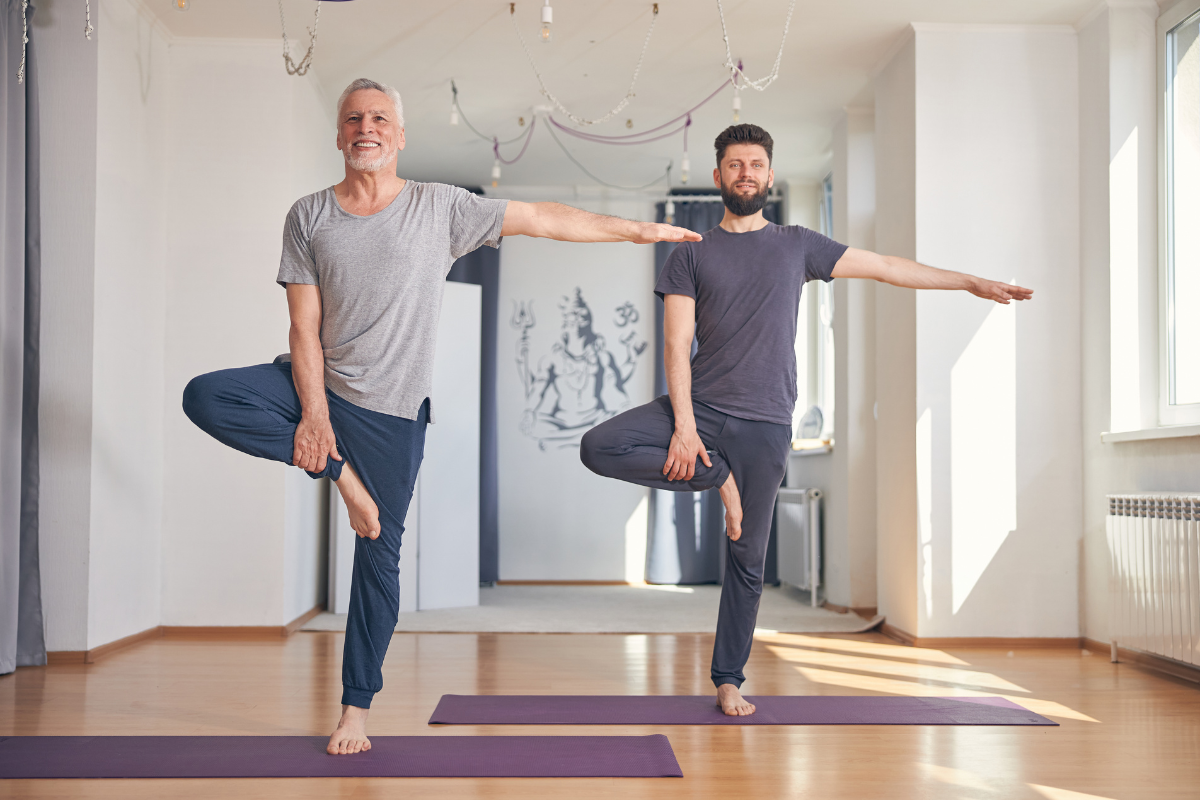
1126, 734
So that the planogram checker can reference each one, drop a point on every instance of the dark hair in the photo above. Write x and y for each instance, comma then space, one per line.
743, 134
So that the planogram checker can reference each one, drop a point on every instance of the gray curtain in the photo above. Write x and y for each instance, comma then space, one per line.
482, 267
687, 529
22, 640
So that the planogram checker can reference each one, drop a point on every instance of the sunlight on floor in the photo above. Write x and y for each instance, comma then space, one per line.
1047, 708
665, 588
955, 777
1064, 794
984, 680
853, 646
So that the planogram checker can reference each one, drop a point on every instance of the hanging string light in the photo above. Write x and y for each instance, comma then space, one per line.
684, 164
88, 30
24, 39
512, 10
496, 172
182, 5
547, 18
301, 67
735, 69
669, 211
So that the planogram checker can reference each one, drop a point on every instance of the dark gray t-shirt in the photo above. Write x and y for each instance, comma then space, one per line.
747, 292
382, 278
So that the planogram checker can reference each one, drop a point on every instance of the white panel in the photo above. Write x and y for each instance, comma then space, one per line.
448, 565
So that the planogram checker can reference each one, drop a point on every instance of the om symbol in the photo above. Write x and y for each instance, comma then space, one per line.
626, 315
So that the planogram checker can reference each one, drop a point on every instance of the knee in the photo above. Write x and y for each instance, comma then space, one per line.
199, 397
590, 448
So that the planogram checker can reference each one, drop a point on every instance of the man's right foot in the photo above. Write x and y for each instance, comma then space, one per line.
364, 514
729, 697
733, 508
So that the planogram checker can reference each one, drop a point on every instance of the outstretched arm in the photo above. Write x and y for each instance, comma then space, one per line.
898, 271
567, 224
679, 326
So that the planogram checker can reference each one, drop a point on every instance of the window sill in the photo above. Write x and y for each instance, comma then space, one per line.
1165, 432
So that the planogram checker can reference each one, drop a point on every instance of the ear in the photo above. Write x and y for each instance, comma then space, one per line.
770, 177
400, 141
717, 177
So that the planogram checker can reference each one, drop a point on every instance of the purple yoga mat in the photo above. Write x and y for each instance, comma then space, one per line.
457, 709
305, 757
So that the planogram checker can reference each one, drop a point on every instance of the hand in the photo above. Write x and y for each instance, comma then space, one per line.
650, 232
313, 444
1000, 292
682, 454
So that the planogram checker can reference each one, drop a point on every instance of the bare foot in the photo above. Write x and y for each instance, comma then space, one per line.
733, 511
732, 702
364, 514
351, 733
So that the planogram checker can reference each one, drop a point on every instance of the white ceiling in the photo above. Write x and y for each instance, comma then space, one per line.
419, 46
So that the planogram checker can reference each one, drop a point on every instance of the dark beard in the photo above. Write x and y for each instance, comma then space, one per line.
741, 205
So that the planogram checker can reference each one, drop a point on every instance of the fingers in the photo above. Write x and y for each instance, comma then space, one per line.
320, 464
704, 457
333, 453
670, 462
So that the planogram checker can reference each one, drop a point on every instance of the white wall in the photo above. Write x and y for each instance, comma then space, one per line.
1118, 196
224, 533
127, 389
996, 436
898, 546
558, 520
847, 475
67, 66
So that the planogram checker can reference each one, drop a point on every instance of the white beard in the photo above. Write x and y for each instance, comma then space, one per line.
364, 162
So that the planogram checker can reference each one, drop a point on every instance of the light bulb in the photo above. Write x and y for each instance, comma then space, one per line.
737, 108
182, 5
684, 166
547, 18
495, 173
453, 115
669, 212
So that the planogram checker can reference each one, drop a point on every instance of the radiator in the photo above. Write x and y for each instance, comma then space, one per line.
1154, 557
798, 528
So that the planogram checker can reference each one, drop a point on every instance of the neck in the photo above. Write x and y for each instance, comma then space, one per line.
371, 187
735, 224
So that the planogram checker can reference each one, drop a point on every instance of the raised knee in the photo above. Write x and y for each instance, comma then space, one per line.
591, 446
198, 398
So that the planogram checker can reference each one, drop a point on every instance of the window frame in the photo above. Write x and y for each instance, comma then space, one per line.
1168, 413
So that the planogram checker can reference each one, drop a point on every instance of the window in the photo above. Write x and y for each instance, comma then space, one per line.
1180, 284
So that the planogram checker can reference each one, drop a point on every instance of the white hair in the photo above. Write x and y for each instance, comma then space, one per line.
367, 83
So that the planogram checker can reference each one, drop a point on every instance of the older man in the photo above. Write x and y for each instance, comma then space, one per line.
364, 265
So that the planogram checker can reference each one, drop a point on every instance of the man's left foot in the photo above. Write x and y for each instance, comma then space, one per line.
732, 702
733, 510
351, 733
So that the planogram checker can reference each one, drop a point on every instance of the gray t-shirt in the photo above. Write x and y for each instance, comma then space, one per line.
747, 292
382, 278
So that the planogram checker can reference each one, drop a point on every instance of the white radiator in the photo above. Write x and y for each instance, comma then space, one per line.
1154, 557
798, 527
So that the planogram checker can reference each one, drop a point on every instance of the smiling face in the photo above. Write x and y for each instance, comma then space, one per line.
744, 177
369, 132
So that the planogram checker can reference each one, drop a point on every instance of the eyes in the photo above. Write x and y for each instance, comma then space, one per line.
357, 117
753, 165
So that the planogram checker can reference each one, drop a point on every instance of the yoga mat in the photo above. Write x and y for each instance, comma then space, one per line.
305, 757
455, 709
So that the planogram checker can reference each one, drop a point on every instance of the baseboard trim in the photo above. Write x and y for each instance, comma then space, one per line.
300, 621
96, 653
565, 583
224, 632
1169, 666
866, 612
1011, 643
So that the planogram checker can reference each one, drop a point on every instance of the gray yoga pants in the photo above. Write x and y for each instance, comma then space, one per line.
633, 447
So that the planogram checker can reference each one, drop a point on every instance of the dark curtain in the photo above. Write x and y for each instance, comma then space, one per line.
694, 521
22, 639
482, 267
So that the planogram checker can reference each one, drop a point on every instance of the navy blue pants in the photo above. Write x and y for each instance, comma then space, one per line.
256, 410
633, 447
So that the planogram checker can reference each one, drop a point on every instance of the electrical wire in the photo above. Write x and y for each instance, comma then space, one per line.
528, 139
462, 115
666, 175
735, 69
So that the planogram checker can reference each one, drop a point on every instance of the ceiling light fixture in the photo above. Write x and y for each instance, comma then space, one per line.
181, 5
496, 172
